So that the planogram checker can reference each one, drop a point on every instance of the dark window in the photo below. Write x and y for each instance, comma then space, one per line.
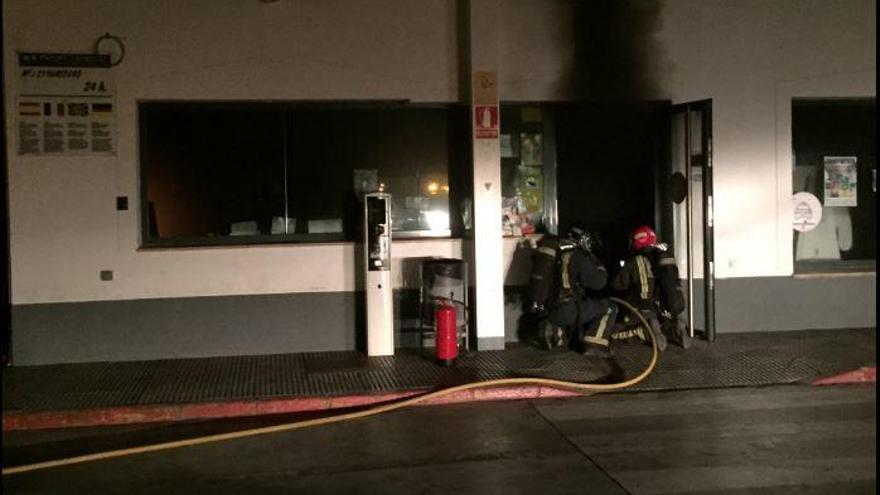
835, 170
587, 162
528, 169
237, 173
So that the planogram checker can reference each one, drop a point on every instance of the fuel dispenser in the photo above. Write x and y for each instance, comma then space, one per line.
380, 313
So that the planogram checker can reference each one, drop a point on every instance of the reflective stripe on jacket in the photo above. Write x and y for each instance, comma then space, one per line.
636, 280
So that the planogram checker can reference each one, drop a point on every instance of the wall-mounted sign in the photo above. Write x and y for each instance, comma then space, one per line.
841, 181
486, 121
485, 88
485, 103
807, 211
65, 104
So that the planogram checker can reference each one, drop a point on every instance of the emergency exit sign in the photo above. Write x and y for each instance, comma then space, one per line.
486, 121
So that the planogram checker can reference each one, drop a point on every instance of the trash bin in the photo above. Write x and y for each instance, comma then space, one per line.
444, 279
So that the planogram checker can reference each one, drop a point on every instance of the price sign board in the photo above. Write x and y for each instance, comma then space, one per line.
65, 104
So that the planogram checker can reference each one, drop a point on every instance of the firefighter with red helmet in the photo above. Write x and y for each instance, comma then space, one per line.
637, 284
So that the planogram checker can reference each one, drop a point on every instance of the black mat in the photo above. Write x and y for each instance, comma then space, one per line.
744, 359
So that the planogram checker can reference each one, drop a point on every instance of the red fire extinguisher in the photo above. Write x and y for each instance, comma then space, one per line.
446, 334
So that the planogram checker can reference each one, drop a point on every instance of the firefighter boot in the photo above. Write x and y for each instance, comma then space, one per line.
656, 332
610, 371
597, 350
552, 336
683, 336
659, 337
676, 330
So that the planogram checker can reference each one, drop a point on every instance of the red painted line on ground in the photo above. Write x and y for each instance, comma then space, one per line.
215, 410
346, 401
453, 398
41, 420
862, 375
292, 405
550, 392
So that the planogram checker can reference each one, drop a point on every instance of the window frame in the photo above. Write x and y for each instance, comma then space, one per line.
547, 128
147, 242
827, 266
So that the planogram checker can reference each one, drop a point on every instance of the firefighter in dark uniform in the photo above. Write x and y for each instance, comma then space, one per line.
577, 305
637, 284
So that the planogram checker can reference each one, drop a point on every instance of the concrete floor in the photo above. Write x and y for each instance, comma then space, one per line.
777, 439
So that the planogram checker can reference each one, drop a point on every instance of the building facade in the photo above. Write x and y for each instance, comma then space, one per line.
85, 286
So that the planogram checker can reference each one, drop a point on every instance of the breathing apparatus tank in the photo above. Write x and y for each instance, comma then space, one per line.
543, 275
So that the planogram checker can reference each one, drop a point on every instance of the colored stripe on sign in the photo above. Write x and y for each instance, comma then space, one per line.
102, 107
30, 108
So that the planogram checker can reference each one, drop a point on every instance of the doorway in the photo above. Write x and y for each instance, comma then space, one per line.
685, 211
608, 156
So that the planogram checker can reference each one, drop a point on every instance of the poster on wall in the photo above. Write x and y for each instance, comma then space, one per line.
507, 151
841, 181
65, 104
530, 191
532, 149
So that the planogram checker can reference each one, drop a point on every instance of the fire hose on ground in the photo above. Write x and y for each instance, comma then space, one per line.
373, 411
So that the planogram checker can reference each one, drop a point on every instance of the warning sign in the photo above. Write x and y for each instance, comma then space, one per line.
485, 88
486, 121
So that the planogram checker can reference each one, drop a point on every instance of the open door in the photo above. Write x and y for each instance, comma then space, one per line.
685, 209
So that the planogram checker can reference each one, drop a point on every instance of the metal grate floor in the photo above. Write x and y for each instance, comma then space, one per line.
745, 359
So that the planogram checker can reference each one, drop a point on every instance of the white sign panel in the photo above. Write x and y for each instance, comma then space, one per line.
807, 211
65, 105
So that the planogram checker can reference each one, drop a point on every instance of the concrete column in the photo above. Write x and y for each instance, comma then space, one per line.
488, 270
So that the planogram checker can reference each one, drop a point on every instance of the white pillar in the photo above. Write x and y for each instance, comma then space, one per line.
488, 270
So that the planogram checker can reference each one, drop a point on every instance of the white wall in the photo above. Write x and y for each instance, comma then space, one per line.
536, 50
751, 57
64, 227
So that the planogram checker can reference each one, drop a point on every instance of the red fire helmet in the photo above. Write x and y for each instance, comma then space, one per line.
642, 237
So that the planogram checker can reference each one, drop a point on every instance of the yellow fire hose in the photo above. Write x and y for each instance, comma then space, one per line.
579, 387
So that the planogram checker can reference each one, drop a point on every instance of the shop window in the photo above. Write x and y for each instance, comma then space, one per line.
237, 173
834, 184
528, 170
